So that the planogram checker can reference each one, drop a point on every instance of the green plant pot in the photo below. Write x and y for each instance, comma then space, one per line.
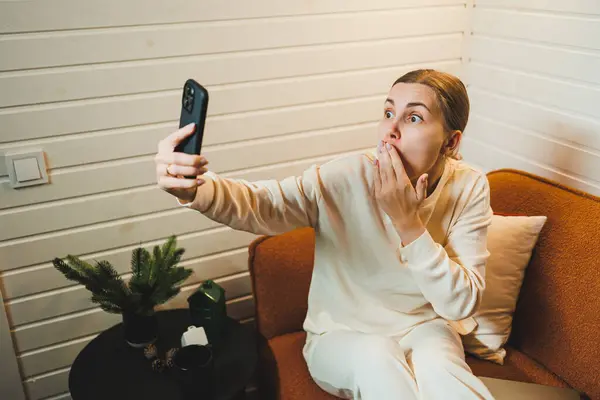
140, 330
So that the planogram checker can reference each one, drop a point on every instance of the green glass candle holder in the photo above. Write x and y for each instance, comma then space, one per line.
208, 310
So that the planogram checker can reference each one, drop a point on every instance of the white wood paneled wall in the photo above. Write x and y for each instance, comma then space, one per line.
534, 83
96, 84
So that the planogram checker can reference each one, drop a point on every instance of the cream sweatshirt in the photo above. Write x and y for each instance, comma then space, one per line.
363, 278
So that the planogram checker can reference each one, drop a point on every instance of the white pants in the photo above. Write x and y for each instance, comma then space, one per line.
427, 363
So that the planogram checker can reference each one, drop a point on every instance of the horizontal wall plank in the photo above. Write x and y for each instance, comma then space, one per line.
536, 147
49, 385
63, 355
81, 149
61, 396
536, 89
119, 175
42, 249
574, 6
241, 308
52, 358
78, 298
557, 29
577, 65
92, 321
493, 158
20, 282
49, 15
50, 217
56, 383
101, 80
159, 41
52, 120
554, 122
63, 329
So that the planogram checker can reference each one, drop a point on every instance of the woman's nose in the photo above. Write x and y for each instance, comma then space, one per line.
393, 134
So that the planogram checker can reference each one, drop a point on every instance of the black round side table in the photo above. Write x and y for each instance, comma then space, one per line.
109, 369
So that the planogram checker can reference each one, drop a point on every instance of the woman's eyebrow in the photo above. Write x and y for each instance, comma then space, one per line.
409, 105
416, 104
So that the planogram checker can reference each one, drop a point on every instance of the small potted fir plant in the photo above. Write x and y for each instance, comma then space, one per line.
155, 279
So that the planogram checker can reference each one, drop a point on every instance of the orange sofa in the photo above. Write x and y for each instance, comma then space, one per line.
556, 330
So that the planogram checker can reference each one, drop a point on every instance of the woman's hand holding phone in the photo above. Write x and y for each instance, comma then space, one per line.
172, 167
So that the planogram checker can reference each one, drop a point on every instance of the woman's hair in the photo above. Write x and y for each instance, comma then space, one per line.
450, 92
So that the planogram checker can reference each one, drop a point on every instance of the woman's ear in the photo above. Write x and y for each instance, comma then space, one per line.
451, 146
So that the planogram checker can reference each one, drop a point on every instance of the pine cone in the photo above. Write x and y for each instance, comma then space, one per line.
158, 365
169, 357
150, 351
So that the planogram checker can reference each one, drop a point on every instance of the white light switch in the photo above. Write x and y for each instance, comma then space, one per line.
27, 169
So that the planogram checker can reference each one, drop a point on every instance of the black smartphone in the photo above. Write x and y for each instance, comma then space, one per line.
194, 105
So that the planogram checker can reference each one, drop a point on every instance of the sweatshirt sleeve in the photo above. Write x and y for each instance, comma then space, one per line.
266, 207
452, 278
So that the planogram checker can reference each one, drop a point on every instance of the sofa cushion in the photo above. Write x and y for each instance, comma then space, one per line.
511, 240
293, 382
283, 359
517, 367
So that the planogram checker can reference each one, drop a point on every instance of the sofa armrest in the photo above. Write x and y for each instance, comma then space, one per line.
281, 269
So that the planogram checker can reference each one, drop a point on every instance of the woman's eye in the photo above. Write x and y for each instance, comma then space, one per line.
415, 118
389, 115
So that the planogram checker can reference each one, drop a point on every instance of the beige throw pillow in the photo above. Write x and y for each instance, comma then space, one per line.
511, 240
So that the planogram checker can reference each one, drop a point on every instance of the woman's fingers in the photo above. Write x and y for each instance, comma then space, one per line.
397, 164
377, 178
170, 182
173, 167
171, 141
421, 189
176, 170
182, 159
387, 169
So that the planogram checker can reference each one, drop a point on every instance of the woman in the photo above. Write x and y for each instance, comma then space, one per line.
400, 245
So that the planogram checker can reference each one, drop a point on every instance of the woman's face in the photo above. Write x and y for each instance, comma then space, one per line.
413, 124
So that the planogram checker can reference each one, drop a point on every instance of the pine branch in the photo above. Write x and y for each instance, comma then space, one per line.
80, 272
156, 265
179, 275
69, 272
108, 272
139, 259
114, 285
94, 282
169, 284
165, 294
172, 259
79, 264
168, 248
107, 304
